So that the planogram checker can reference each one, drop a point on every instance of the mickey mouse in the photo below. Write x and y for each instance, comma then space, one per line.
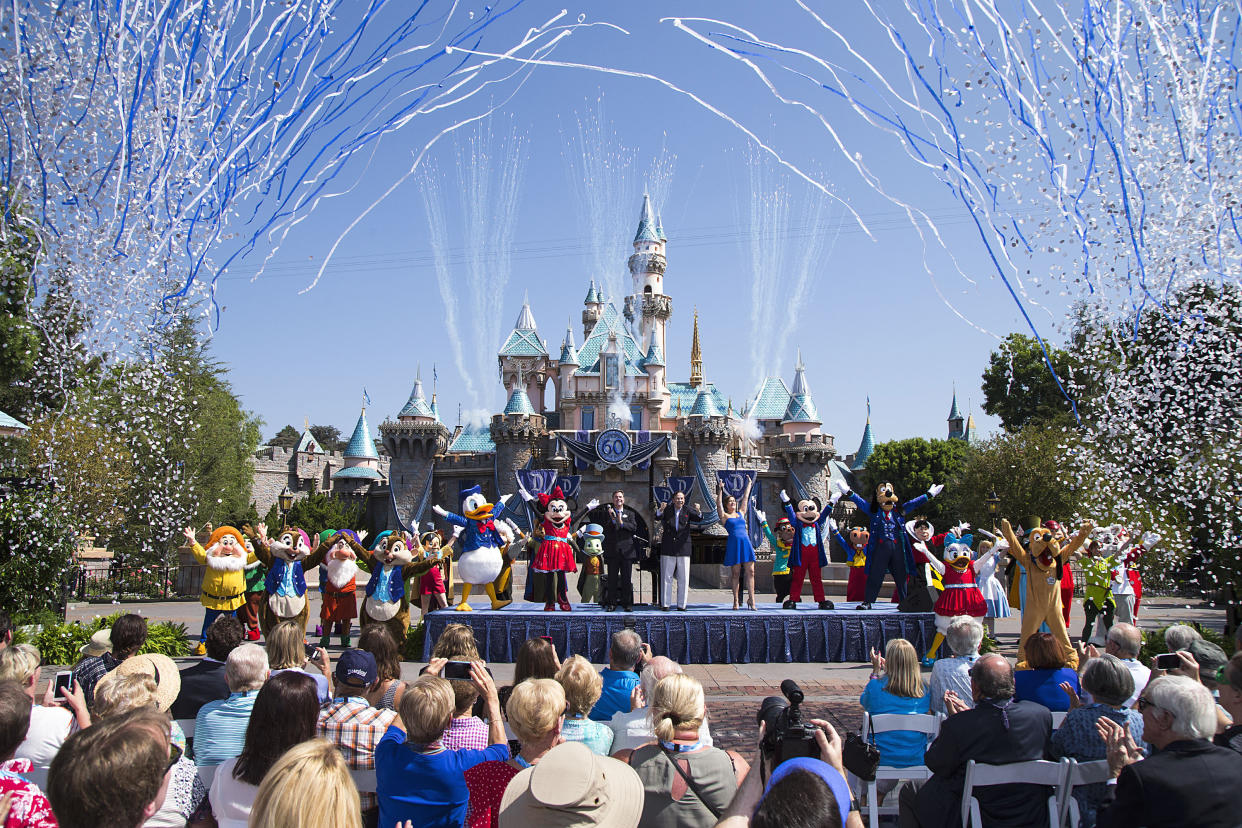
809, 551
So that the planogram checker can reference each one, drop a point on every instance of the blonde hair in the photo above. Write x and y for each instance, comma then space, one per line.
19, 662
286, 646
534, 708
426, 709
115, 694
457, 644
901, 664
582, 684
308, 787
677, 704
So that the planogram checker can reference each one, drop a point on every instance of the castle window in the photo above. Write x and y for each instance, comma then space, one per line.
636, 417
588, 419
610, 370
647, 289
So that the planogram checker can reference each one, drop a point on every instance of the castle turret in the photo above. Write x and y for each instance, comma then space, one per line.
648, 305
524, 354
802, 446
706, 433
801, 416
414, 442
957, 428
593, 307
657, 394
866, 447
416, 408
566, 365
361, 461
519, 434
970, 434
696, 355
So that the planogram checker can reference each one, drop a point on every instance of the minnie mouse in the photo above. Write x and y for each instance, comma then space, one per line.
555, 555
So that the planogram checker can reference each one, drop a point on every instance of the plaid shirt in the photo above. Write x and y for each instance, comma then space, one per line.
355, 727
466, 733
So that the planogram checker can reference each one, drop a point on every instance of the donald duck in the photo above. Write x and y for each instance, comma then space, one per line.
480, 561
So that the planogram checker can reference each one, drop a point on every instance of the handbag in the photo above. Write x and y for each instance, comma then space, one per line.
860, 756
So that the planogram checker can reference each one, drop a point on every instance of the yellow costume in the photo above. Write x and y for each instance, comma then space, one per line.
223, 590
1043, 588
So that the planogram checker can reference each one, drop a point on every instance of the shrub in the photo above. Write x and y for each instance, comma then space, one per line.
62, 643
1153, 642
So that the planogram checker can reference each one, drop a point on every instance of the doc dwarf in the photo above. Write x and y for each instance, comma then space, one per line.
340, 587
809, 550
287, 557
224, 581
961, 595
888, 548
1044, 560
394, 558
855, 545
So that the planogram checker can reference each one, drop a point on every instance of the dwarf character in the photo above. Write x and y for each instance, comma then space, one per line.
224, 581
340, 587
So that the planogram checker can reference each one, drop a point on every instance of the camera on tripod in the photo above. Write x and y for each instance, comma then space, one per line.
785, 735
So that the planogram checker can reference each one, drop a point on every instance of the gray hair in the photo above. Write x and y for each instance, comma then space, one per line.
964, 635
1108, 680
626, 649
1179, 636
1188, 701
656, 669
1127, 638
246, 668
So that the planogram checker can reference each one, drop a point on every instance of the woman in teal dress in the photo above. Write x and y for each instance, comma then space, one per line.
739, 552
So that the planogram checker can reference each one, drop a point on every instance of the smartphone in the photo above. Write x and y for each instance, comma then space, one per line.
63, 681
1168, 661
312, 652
457, 671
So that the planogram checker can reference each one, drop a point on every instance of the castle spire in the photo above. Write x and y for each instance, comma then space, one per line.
867, 446
646, 223
696, 355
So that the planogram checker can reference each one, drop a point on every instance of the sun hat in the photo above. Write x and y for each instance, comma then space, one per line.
100, 643
159, 667
571, 786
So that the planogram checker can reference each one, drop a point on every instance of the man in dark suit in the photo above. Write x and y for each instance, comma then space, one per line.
675, 519
1187, 780
997, 731
621, 550
204, 681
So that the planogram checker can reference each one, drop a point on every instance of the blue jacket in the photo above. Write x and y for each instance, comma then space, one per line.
474, 537
276, 574
892, 530
815, 529
393, 585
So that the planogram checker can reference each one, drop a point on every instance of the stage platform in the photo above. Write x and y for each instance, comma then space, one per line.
704, 634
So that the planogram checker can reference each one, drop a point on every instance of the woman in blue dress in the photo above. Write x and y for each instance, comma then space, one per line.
739, 553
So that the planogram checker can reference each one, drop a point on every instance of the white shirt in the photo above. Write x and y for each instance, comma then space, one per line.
49, 727
633, 729
1141, 674
231, 799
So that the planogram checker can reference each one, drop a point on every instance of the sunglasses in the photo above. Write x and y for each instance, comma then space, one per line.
174, 755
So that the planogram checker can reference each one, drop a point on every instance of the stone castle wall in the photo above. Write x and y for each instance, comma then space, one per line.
302, 472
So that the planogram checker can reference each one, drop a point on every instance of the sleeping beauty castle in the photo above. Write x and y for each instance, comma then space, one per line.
618, 421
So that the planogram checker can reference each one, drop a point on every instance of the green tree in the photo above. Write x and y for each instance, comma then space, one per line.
329, 437
19, 340
913, 466
287, 437
1020, 390
93, 468
318, 511
38, 536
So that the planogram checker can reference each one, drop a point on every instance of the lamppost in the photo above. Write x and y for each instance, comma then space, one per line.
993, 503
285, 499
736, 454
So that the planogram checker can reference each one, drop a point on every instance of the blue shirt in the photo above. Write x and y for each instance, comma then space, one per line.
615, 698
429, 789
220, 728
595, 735
898, 748
1044, 687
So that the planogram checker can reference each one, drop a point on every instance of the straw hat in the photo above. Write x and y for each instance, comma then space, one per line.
571, 786
159, 667
100, 643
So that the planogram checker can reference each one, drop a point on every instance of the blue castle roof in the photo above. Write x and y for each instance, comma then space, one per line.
771, 402
654, 355
704, 405
647, 223
519, 402
865, 448
610, 324
569, 353
801, 408
592, 297
682, 395
416, 405
476, 439
954, 413
360, 444
308, 443
358, 472
524, 339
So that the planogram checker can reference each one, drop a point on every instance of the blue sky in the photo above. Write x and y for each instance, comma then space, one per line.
872, 323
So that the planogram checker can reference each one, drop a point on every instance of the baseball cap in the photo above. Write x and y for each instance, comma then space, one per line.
356, 667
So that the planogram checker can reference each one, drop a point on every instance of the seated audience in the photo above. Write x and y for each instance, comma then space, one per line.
536, 658
113, 774
582, 689
1048, 670
120, 693
378, 641
896, 686
204, 681
220, 726
1125, 641
50, 723
456, 643
466, 730
625, 654
963, 638
308, 787
128, 634
685, 783
351, 723
1109, 684
286, 650
632, 729
416, 778
27, 806
1179, 636
285, 712
536, 713
572, 787
1230, 686
996, 731
1187, 780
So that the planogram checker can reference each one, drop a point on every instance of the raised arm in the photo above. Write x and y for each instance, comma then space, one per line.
1015, 546
745, 501
262, 550
720, 502
200, 554
1078, 540
997, 546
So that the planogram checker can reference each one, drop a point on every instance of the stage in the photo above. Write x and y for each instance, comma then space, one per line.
704, 634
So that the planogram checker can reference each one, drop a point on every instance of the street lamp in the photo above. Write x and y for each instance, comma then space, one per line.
993, 503
736, 454
285, 499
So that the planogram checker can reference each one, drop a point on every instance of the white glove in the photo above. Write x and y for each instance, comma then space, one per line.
522, 490
439, 511
784, 497
840, 486
505, 499
832, 524
457, 530
362, 535
935, 490
592, 503
1150, 539
761, 515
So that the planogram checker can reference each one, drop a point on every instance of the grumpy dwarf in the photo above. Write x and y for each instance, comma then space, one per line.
224, 581
287, 557
809, 550
340, 604
888, 548
393, 558
855, 545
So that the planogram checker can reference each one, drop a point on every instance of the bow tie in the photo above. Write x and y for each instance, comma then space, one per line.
486, 525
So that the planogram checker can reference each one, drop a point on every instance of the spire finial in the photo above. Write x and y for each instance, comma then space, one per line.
696, 355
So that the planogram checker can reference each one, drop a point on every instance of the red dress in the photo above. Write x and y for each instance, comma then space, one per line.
555, 554
961, 595
487, 782
1067, 592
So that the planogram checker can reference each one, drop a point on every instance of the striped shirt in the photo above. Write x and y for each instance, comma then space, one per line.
355, 727
220, 728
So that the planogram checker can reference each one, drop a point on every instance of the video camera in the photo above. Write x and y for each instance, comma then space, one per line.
785, 736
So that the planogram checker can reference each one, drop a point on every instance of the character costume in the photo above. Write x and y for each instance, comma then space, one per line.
888, 547
961, 595
480, 561
1044, 562
339, 582
287, 557
224, 579
394, 558
809, 550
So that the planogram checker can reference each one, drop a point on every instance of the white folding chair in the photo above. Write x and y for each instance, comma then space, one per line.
1035, 772
1058, 718
1085, 773
187, 727
206, 774
364, 780
927, 723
